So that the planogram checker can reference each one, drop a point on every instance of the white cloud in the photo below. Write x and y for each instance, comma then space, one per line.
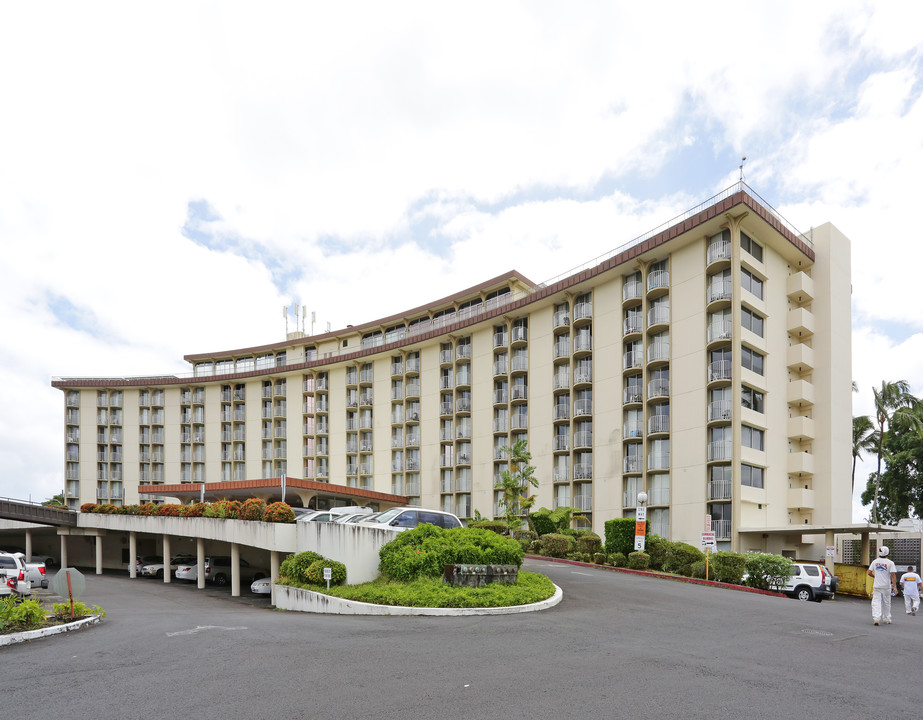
385, 151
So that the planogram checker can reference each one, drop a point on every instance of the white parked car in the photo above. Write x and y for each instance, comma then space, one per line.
403, 518
811, 581
334, 514
14, 579
263, 586
156, 569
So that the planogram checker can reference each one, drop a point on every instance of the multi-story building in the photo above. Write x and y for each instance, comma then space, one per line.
706, 363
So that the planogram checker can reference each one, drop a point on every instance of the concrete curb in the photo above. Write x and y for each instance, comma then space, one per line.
14, 638
299, 600
659, 576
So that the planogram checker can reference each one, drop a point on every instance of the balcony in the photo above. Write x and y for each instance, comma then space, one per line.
561, 319
501, 339
583, 501
718, 251
519, 422
658, 351
719, 410
658, 461
633, 324
719, 290
560, 412
800, 499
583, 439
800, 463
800, 323
583, 375
800, 393
658, 388
519, 392
560, 442
632, 290
583, 311
397, 368
658, 280
501, 425
632, 395
631, 464
719, 331
658, 496
632, 359
800, 288
583, 471
658, 316
658, 424
560, 349
722, 529
501, 367
800, 429
720, 450
561, 475
519, 334
583, 407
520, 364
719, 489
463, 405
561, 381
800, 358
412, 365
719, 370
632, 431
583, 344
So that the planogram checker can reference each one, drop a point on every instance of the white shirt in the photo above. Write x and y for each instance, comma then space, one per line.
882, 567
909, 582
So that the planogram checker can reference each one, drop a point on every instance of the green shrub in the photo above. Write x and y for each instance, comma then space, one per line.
525, 538
20, 615
62, 611
589, 542
580, 557
656, 547
600, 558
548, 522
620, 535
766, 571
169, 510
279, 512
727, 567
223, 509
315, 572
497, 526
252, 509
193, 510
639, 561
425, 551
697, 570
680, 557
618, 559
556, 545
128, 510
295, 567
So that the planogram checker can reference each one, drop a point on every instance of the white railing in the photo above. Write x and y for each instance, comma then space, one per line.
658, 279
659, 350
719, 290
719, 370
633, 324
658, 315
583, 471
658, 388
719, 489
583, 439
722, 529
632, 463
561, 442
719, 250
719, 331
719, 410
658, 424
632, 290
720, 450
632, 395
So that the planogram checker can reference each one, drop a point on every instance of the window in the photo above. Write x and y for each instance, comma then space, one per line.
751, 360
751, 476
751, 246
751, 399
751, 437
751, 283
751, 321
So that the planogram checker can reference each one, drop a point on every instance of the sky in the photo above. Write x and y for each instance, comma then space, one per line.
173, 175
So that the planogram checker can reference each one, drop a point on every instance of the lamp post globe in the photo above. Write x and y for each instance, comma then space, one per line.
642, 498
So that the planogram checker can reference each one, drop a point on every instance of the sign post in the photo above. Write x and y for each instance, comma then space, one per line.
641, 522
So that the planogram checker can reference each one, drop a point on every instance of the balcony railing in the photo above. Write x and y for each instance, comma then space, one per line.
719, 410
719, 290
722, 529
632, 394
660, 387
658, 279
719, 331
658, 424
719, 250
583, 471
719, 489
633, 324
632, 290
719, 370
720, 450
583, 439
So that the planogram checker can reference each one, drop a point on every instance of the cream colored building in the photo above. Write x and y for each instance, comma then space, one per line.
706, 363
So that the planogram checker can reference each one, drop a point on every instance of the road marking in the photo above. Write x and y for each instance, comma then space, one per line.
200, 628
575, 572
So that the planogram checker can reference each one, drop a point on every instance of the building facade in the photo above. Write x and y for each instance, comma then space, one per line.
706, 363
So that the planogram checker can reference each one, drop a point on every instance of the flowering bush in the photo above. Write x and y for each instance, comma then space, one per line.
88, 507
147, 509
639, 561
194, 510
252, 509
169, 510
556, 545
278, 512
106, 509
224, 509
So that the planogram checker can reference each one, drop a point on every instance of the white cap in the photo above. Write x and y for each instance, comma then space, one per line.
883, 551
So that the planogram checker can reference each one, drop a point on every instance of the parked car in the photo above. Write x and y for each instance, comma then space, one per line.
218, 571
333, 514
403, 518
49, 560
156, 569
13, 577
262, 586
35, 571
143, 560
811, 581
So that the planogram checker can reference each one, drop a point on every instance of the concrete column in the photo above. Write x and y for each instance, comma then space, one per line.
235, 570
828, 541
132, 554
866, 560
273, 574
98, 542
167, 573
28, 547
63, 551
200, 562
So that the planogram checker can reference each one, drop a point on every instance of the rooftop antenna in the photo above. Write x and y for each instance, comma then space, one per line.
285, 315
742, 161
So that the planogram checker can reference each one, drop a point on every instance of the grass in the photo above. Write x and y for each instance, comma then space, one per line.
433, 592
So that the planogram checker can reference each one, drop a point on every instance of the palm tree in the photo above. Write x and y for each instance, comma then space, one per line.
864, 439
893, 398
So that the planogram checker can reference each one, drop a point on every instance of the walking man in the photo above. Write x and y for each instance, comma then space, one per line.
885, 585
911, 584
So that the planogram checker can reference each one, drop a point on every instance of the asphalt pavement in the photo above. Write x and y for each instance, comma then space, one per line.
618, 646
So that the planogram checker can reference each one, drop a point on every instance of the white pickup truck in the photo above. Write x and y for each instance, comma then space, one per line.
13, 578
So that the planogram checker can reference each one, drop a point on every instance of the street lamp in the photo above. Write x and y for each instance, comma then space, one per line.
641, 521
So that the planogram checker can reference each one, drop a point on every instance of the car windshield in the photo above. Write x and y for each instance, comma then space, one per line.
385, 516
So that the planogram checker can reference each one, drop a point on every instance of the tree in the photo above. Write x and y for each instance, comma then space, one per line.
901, 483
864, 439
55, 500
515, 481
891, 399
